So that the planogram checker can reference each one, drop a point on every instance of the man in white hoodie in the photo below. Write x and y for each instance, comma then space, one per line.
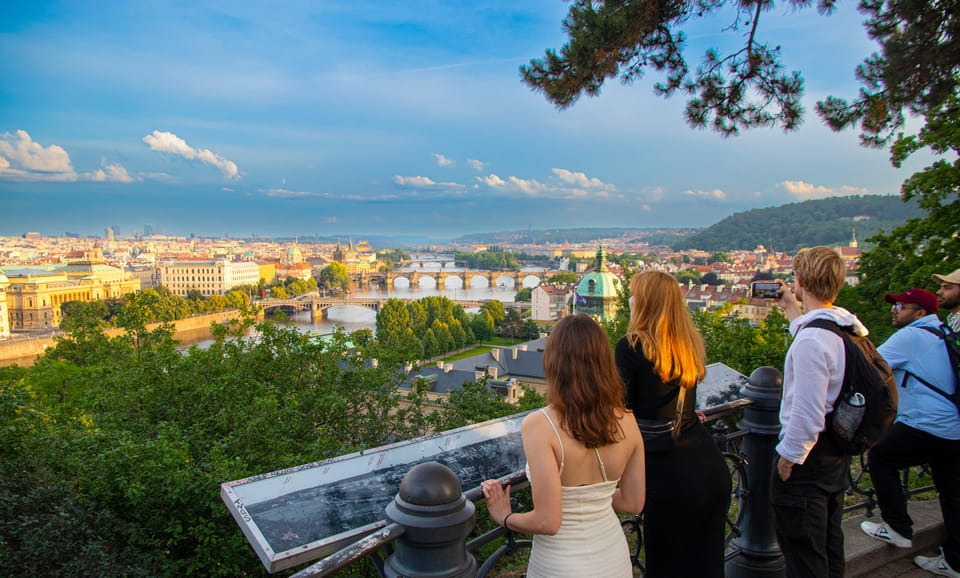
811, 472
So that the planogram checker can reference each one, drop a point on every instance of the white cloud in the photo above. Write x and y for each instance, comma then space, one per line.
476, 165
715, 194
492, 180
443, 161
568, 185
805, 191
420, 182
581, 180
23, 159
414, 181
167, 142
113, 173
279, 193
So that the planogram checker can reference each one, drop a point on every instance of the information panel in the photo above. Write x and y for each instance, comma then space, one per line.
307, 512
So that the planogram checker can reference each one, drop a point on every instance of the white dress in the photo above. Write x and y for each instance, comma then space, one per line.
590, 541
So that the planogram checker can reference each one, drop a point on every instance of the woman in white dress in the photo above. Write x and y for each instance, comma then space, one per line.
585, 460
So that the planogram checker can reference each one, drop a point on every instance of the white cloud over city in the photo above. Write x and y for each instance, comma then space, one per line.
806, 191
23, 159
167, 142
564, 184
715, 194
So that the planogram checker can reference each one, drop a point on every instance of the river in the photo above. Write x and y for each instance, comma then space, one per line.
352, 318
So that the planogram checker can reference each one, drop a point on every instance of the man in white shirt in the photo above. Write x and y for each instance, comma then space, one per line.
812, 473
949, 297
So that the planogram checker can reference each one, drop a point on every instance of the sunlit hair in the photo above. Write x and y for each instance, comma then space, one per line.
660, 324
820, 271
584, 385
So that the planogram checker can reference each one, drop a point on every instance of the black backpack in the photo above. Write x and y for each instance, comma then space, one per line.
952, 341
867, 403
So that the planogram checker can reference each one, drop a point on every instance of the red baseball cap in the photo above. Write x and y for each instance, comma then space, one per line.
917, 296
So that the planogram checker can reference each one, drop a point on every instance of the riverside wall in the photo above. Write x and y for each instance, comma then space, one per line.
24, 350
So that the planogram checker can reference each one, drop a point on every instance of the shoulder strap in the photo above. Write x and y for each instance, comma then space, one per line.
559, 439
943, 333
850, 350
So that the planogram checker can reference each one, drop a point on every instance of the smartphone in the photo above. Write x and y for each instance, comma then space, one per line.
765, 290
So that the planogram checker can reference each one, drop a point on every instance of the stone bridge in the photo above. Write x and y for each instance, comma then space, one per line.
386, 281
318, 306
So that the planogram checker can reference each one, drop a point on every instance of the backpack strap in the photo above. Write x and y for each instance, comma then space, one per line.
943, 333
850, 350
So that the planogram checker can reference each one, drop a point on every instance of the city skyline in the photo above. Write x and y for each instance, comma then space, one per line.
356, 118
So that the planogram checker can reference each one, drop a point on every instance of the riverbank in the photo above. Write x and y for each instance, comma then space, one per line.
23, 350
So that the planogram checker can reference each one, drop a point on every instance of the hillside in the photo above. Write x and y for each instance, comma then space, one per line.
796, 225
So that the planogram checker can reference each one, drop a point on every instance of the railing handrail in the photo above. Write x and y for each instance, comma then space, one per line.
387, 534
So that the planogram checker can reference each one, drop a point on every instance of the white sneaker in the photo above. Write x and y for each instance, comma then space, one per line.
885, 533
936, 565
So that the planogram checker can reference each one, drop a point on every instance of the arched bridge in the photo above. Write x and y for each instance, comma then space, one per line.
414, 278
318, 306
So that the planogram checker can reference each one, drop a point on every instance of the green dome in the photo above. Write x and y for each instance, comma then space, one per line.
598, 292
599, 284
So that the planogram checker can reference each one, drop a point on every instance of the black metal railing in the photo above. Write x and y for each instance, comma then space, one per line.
430, 518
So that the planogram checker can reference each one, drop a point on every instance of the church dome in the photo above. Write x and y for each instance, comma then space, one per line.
599, 291
599, 283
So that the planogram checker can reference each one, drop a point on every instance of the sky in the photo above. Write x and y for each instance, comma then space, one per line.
357, 117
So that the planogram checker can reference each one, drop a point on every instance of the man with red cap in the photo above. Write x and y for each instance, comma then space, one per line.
949, 297
926, 431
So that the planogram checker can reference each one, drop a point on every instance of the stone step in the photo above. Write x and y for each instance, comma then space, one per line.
869, 557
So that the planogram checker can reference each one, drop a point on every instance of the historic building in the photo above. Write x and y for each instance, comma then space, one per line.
4, 318
359, 259
34, 294
207, 277
550, 302
598, 292
294, 266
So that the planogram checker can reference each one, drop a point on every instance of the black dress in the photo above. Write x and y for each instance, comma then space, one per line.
688, 488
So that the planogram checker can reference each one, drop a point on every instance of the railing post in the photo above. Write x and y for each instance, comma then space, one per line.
760, 554
436, 518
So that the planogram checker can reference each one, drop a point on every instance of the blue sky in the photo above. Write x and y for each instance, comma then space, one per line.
356, 117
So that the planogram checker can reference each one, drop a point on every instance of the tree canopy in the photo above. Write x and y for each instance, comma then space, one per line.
915, 68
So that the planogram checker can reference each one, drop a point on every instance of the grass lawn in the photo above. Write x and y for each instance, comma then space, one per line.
479, 350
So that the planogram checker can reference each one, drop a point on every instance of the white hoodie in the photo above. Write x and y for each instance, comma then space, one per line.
812, 377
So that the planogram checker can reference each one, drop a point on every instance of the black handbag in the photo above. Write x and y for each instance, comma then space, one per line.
660, 435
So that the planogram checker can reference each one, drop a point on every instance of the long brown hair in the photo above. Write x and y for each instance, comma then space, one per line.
584, 386
660, 323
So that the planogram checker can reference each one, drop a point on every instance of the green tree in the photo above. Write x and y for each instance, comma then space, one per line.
482, 326
524, 295
563, 278
335, 277
749, 87
494, 309
908, 255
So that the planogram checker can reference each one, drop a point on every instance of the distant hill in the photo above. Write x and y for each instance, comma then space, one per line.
796, 225
651, 235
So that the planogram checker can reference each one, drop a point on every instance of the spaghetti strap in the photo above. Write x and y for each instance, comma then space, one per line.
559, 439
603, 470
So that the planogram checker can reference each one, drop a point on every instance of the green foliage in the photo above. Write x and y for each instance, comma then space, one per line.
745, 88
524, 295
730, 340
915, 68
495, 310
564, 278
908, 255
494, 259
335, 277
796, 225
